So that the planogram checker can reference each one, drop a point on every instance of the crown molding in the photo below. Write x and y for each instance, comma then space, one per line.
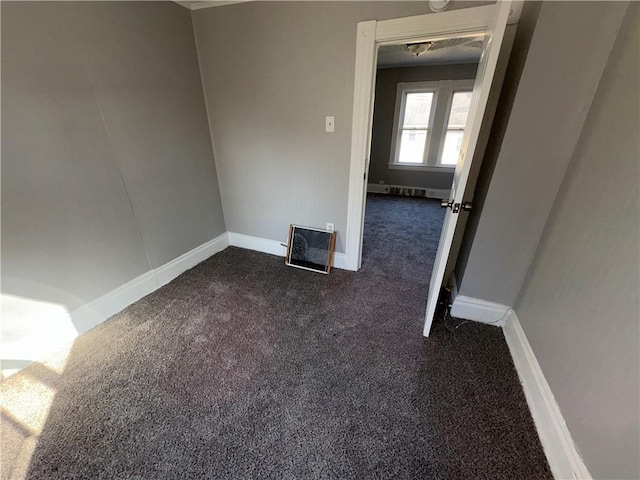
208, 4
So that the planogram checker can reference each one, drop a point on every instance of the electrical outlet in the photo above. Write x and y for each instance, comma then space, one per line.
330, 227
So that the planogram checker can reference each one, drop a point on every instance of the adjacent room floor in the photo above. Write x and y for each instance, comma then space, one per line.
246, 368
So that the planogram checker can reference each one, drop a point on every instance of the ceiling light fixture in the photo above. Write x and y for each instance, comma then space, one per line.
439, 5
418, 48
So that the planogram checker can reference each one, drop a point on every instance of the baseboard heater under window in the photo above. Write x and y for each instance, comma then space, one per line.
407, 191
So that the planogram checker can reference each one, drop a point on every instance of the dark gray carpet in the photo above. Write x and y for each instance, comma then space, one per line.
244, 368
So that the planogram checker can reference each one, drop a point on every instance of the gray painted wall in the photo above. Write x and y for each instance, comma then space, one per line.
481, 172
107, 165
387, 80
272, 71
565, 61
579, 305
495, 106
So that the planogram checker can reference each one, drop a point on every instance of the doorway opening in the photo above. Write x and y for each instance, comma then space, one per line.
420, 111
417, 144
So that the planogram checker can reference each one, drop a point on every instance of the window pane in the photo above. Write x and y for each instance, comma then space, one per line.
451, 150
459, 109
417, 109
412, 146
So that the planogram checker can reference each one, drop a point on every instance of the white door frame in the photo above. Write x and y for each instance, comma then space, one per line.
369, 35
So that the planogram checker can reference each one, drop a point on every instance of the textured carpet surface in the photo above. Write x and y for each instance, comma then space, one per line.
245, 368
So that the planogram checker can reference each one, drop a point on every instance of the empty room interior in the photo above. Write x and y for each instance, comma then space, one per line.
423, 93
320, 240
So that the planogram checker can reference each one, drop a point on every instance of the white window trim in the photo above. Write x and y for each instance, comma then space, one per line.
421, 167
443, 91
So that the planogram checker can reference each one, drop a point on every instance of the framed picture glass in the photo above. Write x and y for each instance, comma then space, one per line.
310, 248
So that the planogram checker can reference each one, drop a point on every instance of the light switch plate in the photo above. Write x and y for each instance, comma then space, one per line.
329, 124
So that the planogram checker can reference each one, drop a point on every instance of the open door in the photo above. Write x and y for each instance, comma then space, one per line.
484, 78
490, 20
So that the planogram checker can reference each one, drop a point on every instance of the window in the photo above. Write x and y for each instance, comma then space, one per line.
429, 124
460, 103
415, 127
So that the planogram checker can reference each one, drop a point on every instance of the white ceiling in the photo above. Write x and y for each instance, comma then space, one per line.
442, 52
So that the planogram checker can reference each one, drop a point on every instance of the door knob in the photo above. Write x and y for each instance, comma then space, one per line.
467, 206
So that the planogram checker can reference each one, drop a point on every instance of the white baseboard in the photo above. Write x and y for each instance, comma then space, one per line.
274, 247
178, 266
257, 244
561, 451
479, 310
429, 192
98, 310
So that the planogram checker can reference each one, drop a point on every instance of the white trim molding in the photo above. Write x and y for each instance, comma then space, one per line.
100, 309
194, 5
470, 20
453, 283
362, 121
370, 34
437, 126
480, 310
178, 266
562, 454
274, 247
421, 167
209, 4
199, 5
257, 244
